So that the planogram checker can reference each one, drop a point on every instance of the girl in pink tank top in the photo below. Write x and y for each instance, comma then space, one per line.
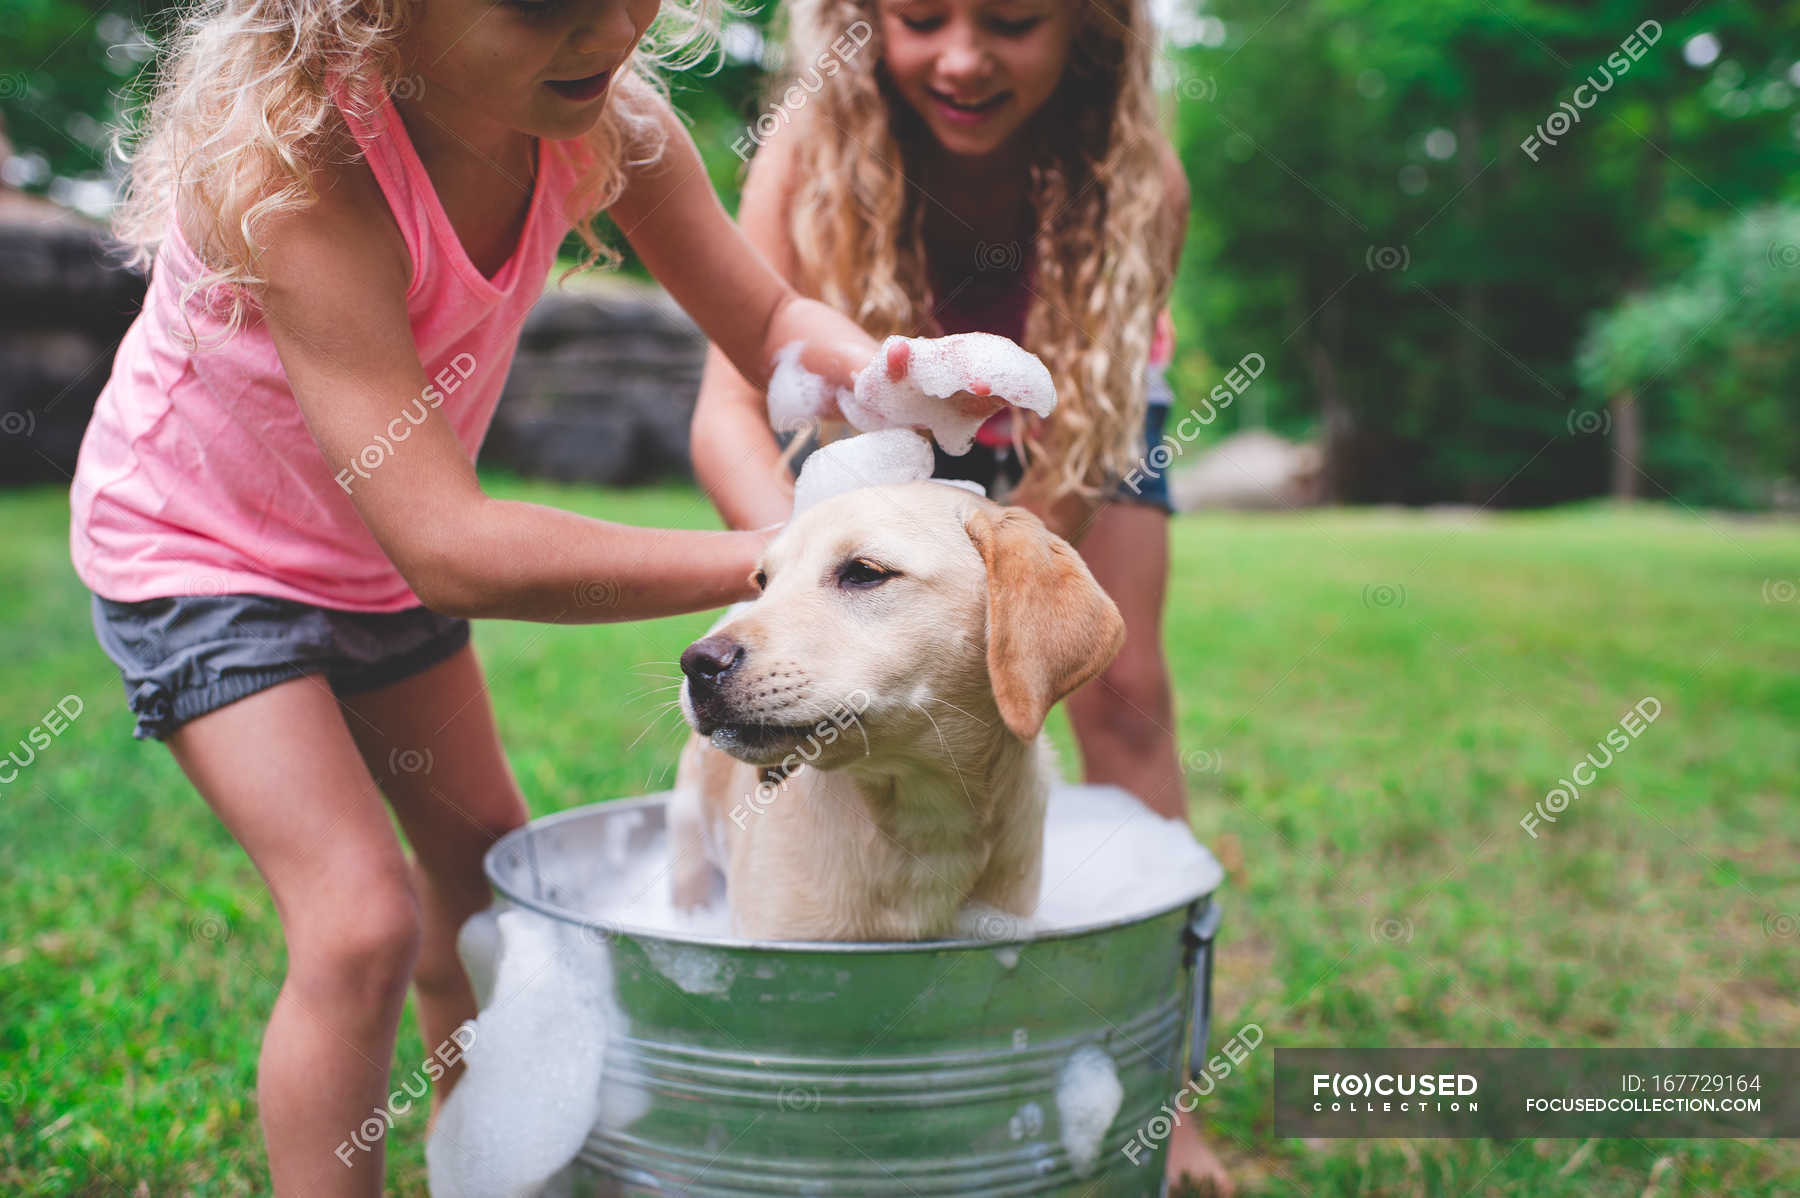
347, 210
1001, 169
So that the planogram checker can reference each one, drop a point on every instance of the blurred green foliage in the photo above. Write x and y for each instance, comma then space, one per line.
1713, 361
1367, 217
1370, 214
63, 68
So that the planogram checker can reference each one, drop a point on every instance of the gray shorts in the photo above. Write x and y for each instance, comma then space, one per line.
187, 655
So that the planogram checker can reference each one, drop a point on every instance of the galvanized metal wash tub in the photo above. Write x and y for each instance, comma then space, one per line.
799, 1069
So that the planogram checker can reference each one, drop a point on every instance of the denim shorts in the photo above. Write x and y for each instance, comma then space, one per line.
998, 469
184, 656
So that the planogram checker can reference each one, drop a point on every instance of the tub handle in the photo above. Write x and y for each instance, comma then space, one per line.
1202, 927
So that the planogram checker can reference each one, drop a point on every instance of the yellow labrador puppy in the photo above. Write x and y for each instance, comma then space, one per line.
868, 765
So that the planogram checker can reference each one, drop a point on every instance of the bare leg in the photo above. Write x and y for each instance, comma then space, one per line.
280, 770
431, 741
1124, 720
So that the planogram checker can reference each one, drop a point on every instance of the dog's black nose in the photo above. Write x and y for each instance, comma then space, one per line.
708, 659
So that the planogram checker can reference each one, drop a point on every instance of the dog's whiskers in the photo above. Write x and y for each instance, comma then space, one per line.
672, 705
668, 760
948, 756
954, 707
681, 732
655, 690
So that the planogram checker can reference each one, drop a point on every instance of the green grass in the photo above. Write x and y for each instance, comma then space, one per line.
1370, 702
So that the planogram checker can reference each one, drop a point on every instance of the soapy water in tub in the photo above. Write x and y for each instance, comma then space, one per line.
1106, 857
534, 1087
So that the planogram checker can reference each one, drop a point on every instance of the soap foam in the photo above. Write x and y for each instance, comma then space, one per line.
935, 392
533, 1088
478, 944
894, 455
935, 395
536, 1084
798, 397
1088, 1095
1107, 858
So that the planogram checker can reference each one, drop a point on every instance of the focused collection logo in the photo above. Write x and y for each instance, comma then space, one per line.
1378, 1092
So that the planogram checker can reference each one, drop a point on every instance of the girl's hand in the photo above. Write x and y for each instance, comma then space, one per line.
978, 400
898, 355
950, 388
796, 400
834, 347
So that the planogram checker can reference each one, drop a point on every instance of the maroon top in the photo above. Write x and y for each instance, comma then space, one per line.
992, 300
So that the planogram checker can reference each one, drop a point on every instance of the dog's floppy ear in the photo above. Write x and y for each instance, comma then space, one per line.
1050, 627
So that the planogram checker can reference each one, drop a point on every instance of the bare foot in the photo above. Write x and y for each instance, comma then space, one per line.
1192, 1163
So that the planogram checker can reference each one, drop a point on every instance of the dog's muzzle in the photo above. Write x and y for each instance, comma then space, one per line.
708, 664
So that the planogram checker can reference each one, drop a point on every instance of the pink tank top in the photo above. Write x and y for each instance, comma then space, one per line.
197, 474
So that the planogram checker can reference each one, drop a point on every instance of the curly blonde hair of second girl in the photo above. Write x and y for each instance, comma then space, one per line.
240, 115
1095, 185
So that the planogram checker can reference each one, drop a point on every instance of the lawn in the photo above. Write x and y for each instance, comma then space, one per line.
1369, 703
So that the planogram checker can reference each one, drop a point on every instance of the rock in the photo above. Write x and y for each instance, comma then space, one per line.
66, 302
1253, 469
602, 387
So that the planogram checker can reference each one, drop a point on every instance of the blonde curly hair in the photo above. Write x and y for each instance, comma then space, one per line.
241, 113
1096, 189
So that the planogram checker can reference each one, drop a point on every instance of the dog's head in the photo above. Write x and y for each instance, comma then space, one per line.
896, 614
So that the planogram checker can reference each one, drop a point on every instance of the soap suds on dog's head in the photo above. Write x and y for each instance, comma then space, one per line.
886, 412
895, 455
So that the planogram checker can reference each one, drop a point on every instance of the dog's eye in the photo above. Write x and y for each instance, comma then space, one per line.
760, 579
862, 574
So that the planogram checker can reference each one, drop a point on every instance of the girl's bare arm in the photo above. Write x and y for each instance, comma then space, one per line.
735, 280
336, 311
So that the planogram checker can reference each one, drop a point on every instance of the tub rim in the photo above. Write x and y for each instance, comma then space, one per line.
1198, 904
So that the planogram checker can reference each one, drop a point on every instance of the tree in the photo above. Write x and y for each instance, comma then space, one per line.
1712, 362
1388, 209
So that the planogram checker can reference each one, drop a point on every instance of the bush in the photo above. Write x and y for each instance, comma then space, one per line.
1714, 364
